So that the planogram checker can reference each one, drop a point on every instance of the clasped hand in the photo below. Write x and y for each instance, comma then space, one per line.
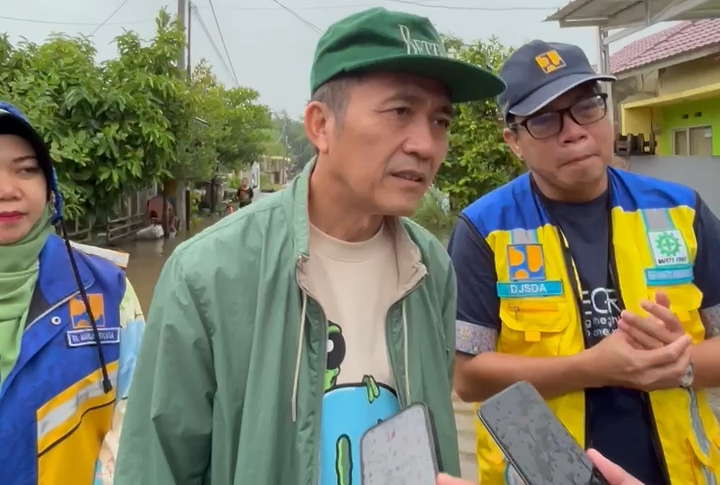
646, 353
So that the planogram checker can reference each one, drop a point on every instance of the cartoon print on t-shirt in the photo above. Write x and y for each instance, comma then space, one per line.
349, 409
335, 355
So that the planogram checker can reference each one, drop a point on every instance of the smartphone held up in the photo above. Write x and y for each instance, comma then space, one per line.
539, 450
400, 450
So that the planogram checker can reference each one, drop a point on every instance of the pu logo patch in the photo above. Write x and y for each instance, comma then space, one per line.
526, 262
550, 62
526, 272
82, 333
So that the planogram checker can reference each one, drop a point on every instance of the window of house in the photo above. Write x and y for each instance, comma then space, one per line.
693, 142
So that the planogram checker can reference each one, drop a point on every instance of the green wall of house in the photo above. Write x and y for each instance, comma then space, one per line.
683, 115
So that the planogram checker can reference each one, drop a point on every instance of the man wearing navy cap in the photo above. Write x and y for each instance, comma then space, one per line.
596, 285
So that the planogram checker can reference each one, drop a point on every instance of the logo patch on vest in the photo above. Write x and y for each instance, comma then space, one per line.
526, 268
82, 333
668, 248
526, 262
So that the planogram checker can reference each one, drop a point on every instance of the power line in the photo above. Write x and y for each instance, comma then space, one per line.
479, 9
210, 39
300, 17
222, 40
307, 7
87, 24
108, 19
407, 2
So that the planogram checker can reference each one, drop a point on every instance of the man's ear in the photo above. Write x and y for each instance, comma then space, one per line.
511, 139
316, 120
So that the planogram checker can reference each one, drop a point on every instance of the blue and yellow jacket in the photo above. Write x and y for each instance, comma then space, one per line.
57, 424
540, 315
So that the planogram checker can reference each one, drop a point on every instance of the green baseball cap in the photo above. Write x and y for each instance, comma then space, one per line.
380, 40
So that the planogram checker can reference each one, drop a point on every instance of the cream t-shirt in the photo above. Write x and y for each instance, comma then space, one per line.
355, 283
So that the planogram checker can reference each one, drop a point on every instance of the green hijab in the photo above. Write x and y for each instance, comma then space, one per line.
18, 274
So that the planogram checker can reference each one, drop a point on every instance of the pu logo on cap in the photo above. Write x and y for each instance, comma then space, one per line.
550, 62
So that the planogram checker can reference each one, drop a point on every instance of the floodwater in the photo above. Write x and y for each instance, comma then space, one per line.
146, 261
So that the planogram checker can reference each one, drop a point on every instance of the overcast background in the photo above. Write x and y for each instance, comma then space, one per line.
270, 48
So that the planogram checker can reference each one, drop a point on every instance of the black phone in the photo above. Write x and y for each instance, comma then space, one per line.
400, 450
536, 444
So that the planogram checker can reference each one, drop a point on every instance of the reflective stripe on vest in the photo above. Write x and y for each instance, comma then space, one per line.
655, 247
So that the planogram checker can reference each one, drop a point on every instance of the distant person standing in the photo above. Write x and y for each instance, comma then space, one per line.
245, 193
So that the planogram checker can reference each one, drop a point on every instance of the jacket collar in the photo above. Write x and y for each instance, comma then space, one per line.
295, 203
56, 279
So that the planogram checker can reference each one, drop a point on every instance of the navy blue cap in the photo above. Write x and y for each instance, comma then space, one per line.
12, 122
539, 72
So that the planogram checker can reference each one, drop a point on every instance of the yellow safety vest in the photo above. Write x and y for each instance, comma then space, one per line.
655, 246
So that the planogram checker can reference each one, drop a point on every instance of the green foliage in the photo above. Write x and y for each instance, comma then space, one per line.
127, 123
194, 202
265, 181
288, 140
234, 181
235, 128
478, 160
434, 214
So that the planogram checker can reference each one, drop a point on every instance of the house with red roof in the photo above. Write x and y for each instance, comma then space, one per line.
669, 86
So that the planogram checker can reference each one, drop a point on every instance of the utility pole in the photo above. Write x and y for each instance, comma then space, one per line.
188, 66
182, 64
182, 19
183, 14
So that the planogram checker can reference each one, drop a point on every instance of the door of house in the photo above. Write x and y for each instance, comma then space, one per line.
693, 142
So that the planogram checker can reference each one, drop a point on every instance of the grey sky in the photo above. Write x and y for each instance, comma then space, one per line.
272, 50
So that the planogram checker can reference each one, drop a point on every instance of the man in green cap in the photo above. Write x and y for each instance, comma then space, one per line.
265, 366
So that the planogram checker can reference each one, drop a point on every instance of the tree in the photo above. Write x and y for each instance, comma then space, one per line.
127, 123
111, 127
233, 129
478, 160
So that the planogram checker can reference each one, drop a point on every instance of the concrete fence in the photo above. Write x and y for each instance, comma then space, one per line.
700, 173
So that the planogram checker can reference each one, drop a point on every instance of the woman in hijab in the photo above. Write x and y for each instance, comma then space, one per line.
70, 328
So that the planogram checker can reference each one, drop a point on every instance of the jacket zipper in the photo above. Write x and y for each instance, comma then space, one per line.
534, 307
401, 391
323, 353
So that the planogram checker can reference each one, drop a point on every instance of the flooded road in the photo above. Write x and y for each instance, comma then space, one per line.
146, 261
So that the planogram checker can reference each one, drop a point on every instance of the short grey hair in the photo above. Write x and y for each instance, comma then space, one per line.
334, 93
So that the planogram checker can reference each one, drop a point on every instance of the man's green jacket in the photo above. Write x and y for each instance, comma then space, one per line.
230, 378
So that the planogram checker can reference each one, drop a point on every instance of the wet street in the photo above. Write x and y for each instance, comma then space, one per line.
146, 261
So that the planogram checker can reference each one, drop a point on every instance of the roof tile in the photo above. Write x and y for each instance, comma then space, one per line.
679, 39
